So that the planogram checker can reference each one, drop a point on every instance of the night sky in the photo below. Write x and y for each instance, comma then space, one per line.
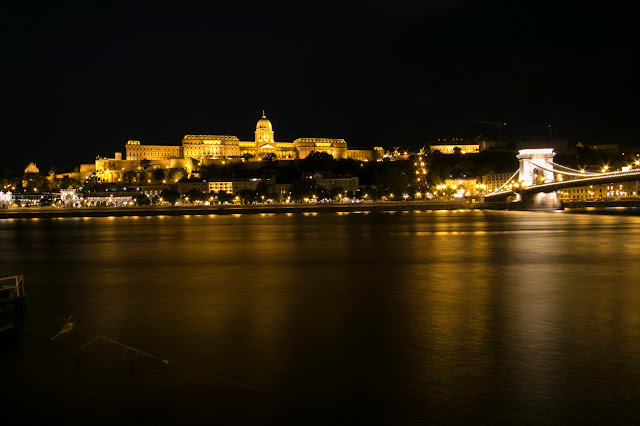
80, 79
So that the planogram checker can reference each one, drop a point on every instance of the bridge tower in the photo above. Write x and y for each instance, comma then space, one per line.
532, 173
531, 161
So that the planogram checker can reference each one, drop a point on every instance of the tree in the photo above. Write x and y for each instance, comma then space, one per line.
170, 195
35, 182
177, 174
393, 181
158, 175
270, 157
248, 195
307, 188
195, 195
224, 196
317, 161
336, 193
262, 188
143, 200
130, 176
67, 183
45, 202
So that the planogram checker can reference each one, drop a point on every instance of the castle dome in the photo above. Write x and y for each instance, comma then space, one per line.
264, 124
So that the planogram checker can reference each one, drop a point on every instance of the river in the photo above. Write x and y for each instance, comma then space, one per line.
326, 318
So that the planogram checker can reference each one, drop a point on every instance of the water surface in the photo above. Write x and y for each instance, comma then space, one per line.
385, 318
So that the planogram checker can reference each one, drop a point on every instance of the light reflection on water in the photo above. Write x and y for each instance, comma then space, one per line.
386, 318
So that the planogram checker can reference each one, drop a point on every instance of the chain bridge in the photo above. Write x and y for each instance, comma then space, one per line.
538, 179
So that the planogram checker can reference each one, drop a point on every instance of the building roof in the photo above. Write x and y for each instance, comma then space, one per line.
263, 123
212, 137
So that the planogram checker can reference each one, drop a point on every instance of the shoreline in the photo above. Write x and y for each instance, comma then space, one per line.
52, 212
72, 212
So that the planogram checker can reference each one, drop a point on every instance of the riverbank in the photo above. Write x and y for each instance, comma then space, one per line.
51, 212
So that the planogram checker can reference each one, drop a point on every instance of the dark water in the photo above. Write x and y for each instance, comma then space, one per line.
397, 318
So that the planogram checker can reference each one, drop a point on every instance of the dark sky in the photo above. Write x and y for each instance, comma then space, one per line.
80, 79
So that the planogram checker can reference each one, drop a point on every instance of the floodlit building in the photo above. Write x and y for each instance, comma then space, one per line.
600, 191
212, 147
449, 146
5, 200
347, 183
197, 150
494, 181
463, 186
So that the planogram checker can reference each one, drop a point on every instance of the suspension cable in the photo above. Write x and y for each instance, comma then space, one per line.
574, 170
564, 173
505, 184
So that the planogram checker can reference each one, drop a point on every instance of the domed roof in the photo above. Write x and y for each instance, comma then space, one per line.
263, 123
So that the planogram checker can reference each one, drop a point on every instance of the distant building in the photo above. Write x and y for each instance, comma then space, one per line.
5, 200
31, 168
494, 181
135, 151
605, 148
448, 146
495, 144
202, 147
228, 186
197, 150
206, 186
558, 145
600, 192
464, 186
347, 183
365, 154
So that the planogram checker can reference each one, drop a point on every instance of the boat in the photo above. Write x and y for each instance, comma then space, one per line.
13, 304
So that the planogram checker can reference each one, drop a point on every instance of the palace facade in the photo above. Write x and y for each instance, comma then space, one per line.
196, 150
213, 147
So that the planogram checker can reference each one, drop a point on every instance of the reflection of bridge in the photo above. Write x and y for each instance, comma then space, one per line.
536, 181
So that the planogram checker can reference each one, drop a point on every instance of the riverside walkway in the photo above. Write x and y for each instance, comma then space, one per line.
53, 212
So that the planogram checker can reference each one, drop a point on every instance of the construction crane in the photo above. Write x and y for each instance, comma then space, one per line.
492, 123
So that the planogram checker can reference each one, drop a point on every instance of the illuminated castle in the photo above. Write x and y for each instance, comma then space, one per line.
212, 147
197, 150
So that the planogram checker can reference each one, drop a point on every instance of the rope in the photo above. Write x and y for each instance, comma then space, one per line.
70, 325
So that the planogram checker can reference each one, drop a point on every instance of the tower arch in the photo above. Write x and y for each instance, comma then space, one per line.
536, 166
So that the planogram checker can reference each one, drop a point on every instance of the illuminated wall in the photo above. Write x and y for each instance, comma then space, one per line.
373, 154
210, 146
449, 148
201, 147
335, 147
600, 192
135, 151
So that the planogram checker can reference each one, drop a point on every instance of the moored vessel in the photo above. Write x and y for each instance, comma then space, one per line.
13, 304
